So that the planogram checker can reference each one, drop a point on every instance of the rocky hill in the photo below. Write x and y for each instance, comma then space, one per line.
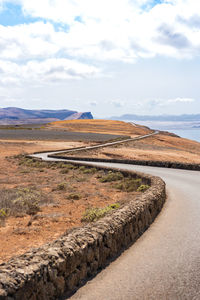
15, 115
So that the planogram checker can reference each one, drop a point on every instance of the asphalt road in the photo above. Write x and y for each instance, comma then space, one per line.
165, 262
45, 156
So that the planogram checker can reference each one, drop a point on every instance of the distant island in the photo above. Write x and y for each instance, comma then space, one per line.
163, 121
162, 118
17, 116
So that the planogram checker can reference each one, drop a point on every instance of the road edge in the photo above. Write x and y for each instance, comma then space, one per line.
65, 264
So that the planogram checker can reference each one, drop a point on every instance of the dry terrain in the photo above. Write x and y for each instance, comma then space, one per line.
161, 147
101, 126
49, 199
42, 200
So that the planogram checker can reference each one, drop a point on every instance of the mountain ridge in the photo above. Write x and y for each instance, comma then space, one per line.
16, 115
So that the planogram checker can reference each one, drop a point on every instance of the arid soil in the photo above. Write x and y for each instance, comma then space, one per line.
66, 193
160, 147
58, 213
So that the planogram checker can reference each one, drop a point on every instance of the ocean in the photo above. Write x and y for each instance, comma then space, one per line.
192, 134
182, 129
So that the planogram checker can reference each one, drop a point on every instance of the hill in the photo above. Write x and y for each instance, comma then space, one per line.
15, 115
100, 126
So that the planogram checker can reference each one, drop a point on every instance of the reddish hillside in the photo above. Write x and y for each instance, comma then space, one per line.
101, 126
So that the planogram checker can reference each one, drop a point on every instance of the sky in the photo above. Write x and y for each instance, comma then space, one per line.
110, 57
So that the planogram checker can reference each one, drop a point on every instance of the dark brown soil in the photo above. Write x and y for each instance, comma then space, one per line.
58, 135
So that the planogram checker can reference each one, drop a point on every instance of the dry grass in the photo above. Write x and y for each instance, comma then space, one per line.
41, 200
100, 126
21, 201
160, 147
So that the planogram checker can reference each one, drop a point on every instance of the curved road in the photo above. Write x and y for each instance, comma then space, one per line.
165, 262
44, 156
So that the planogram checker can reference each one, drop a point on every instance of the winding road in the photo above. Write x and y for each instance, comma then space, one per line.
164, 264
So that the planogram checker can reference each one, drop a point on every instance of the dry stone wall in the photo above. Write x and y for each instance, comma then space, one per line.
153, 163
62, 266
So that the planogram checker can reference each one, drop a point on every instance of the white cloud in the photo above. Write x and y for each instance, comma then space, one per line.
58, 69
114, 30
117, 103
27, 41
181, 100
153, 103
110, 30
92, 103
50, 70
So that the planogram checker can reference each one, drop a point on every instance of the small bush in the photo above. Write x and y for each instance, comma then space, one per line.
61, 186
70, 166
3, 216
24, 171
37, 163
29, 200
64, 171
128, 184
86, 170
143, 188
111, 176
81, 179
73, 196
90, 171
31, 162
93, 214
17, 202
82, 168
61, 165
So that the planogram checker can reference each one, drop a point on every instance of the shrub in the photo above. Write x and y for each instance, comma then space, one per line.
61, 186
111, 176
29, 200
81, 179
17, 202
31, 162
90, 171
64, 171
93, 214
70, 166
61, 165
143, 187
73, 196
24, 171
128, 184
3, 216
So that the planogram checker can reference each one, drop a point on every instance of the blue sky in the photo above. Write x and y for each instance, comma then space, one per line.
142, 58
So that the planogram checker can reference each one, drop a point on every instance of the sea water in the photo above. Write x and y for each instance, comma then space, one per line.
179, 128
192, 134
